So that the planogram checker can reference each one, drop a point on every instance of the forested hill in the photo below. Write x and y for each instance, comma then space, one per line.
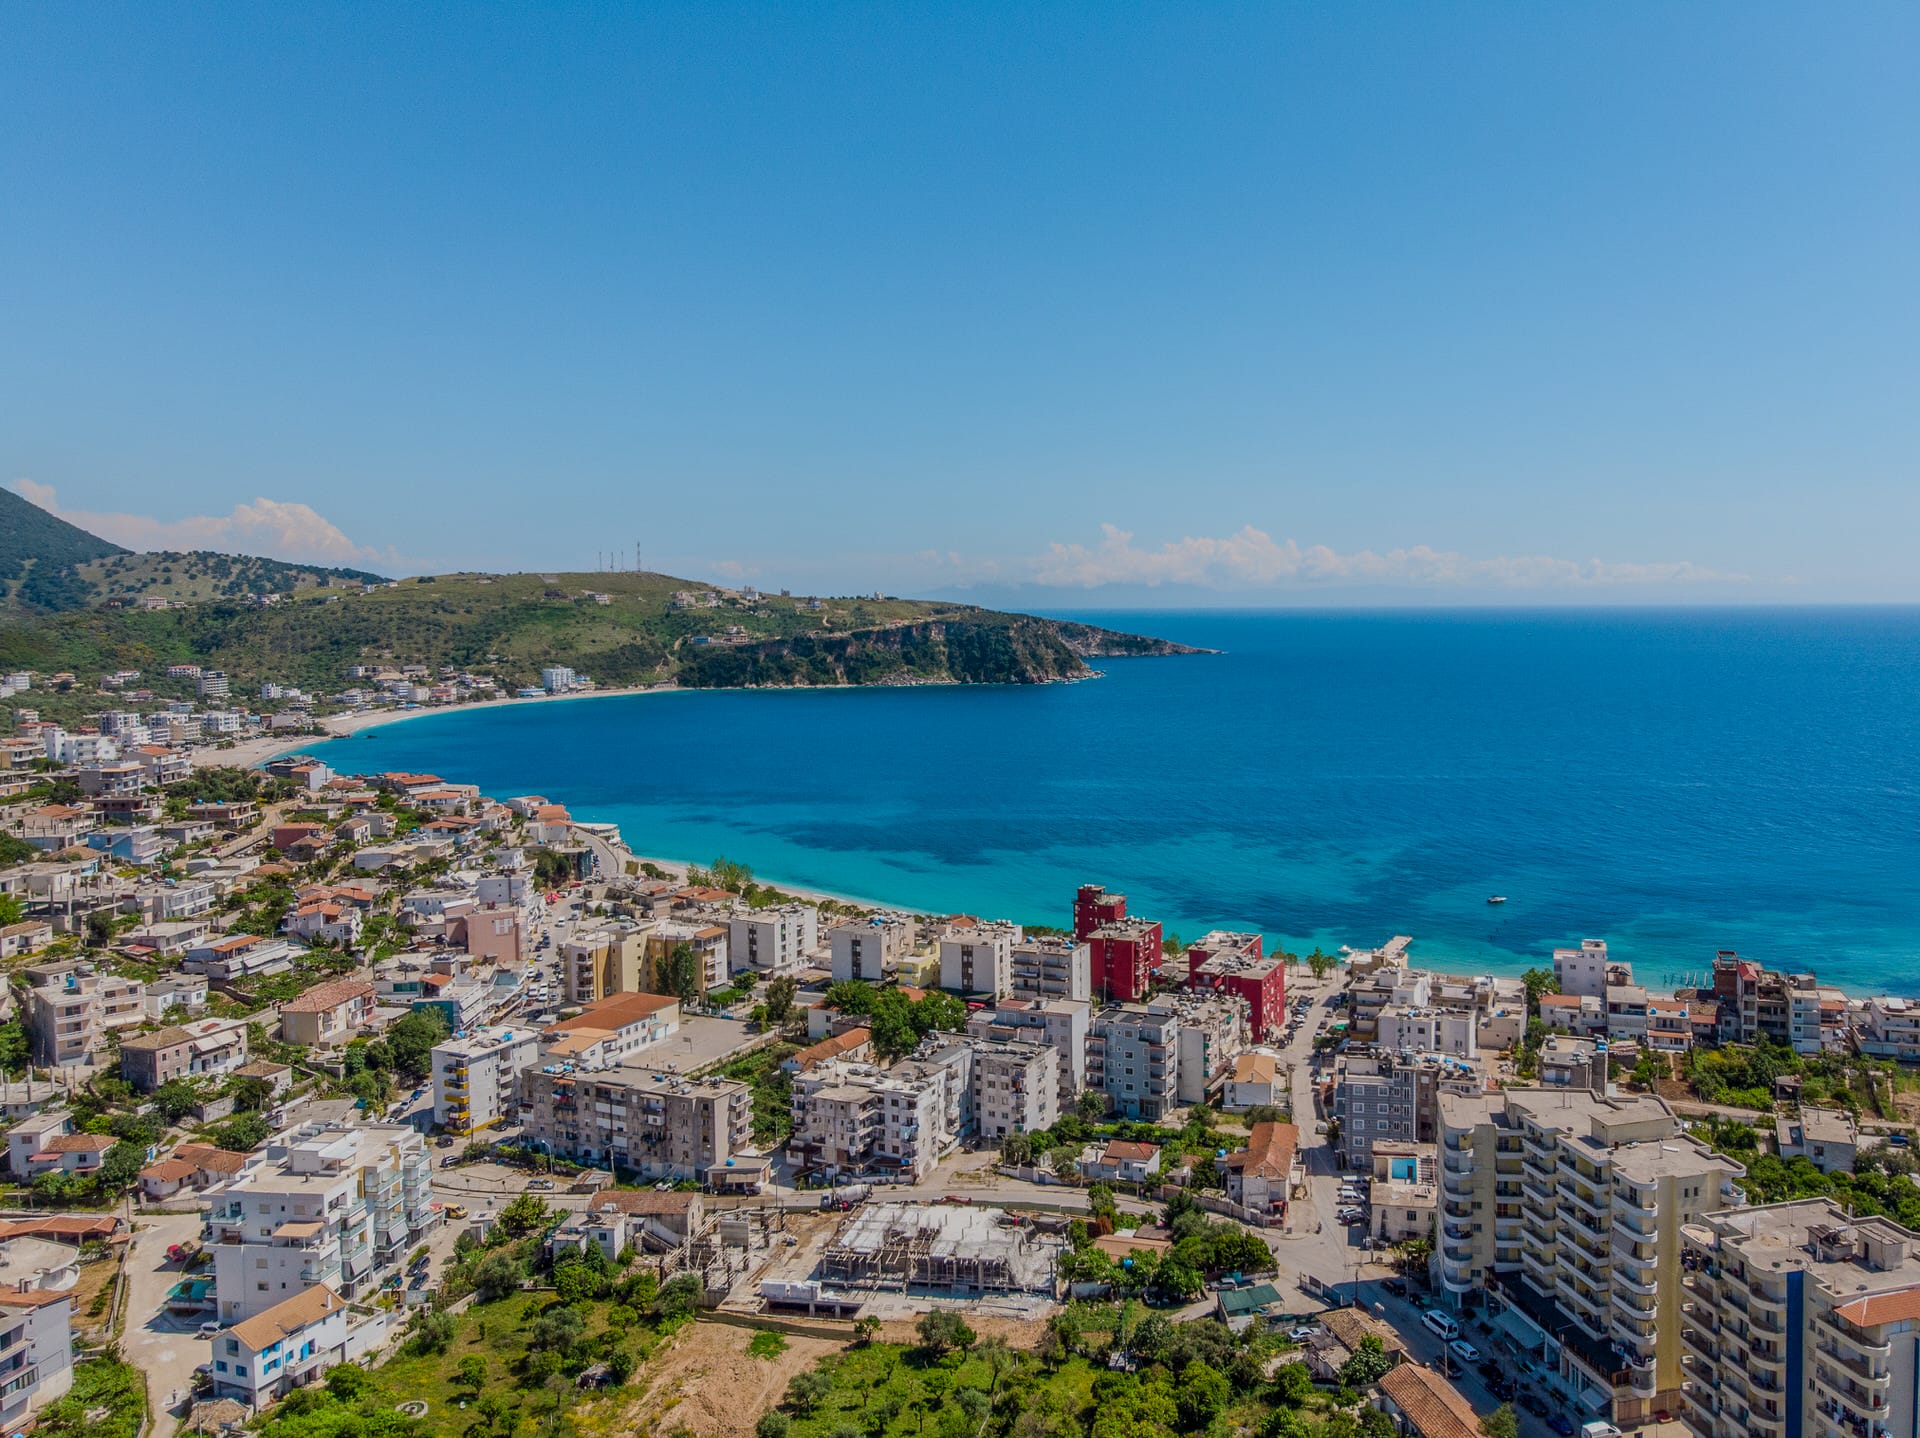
618, 628
39, 554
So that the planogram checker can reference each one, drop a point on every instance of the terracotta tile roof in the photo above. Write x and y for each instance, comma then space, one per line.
613, 1013
1433, 1405
1349, 1325
69, 1227
283, 1320
174, 1170
831, 1048
1120, 1150
328, 996
213, 1160
1876, 1308
1253, 1068
1269, 1151
34, 1298
80, 1143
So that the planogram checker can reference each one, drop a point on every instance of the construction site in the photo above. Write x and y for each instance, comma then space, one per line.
952, 1249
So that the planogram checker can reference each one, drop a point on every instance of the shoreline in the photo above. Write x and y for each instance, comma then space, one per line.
255, 753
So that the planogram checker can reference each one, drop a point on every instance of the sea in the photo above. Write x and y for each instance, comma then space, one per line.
1674, 782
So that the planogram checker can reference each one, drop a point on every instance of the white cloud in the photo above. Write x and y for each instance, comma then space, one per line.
1253, 559
276, 528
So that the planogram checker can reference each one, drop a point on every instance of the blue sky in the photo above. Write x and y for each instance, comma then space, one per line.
1260, 304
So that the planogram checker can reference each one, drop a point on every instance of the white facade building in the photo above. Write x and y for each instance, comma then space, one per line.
474, 1076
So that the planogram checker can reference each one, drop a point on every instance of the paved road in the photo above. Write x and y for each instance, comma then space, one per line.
164, 1348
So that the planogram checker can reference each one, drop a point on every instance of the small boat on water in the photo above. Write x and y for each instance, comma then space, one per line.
1497, 899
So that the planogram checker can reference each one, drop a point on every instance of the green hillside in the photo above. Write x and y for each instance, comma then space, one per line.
39, 555
513, 625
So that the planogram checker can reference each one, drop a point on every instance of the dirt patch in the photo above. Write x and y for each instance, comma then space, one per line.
1906, 1107
95, 1279
1018, 1332
707, 1380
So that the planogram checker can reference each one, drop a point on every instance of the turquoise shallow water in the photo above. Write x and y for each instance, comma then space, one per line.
1674, 782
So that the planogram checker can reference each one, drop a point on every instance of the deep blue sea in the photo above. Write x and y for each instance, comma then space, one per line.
1674, 782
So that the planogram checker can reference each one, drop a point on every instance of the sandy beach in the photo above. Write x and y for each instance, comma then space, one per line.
251, 753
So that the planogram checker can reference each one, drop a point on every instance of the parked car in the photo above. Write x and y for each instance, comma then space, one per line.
1464, 1351
1561, 1424
444, 1141
1396, 1286
1301, 1335
1534, 1404
1489, 1370
209, 1329
540, 1183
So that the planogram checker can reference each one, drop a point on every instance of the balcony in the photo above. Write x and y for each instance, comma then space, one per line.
1642, 1380
1701, 1344
1862, 1370
1630, 1276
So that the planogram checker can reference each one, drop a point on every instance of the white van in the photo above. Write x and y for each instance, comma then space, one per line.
1599, 1430
1441, 1324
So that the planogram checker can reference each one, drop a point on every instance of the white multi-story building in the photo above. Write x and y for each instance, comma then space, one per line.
212, 684
1568, 1207
1061, 1024
1053, 968
1799, 1323
869, 949
1133, 1056
977, 958
267, 1356
772, 942
1213, 1032
1583, 971
474, 1076
1015, 1089
71, 1017
558, 679
1428, 1031
36, 1344
1889, 1028
325, 1204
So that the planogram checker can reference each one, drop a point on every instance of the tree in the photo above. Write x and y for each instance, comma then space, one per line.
411, 1040
434, 1332
780, 995
251, 1095
1179, 1279
1319, 963
1091, 1106
679, 1298
16, 1050
1292, 1384
943, 1329
773, 1425
241, 1134
347, 1381
471, 1372
1503, 1422
120, 1170
1367, 1366
175, 1099
496, 1277
865, 1328
1203, 1395
557, 1330
1537, 982
99, 929
10, 910
807, 1390
681, 973
1016, 1149
1375, 1424
526, 1213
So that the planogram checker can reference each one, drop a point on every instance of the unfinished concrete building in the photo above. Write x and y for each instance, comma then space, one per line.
943, 1248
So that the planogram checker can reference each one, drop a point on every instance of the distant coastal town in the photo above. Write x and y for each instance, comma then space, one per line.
318, 1068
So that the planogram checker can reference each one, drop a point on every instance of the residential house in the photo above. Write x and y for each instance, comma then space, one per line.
1257, 1082
1826, 1137
240, 956
36, 1344
611, 1031
329, 1015
203, 1047
263, 1358
1425, 1405
1119, 1161
1259, 1176
69, 1018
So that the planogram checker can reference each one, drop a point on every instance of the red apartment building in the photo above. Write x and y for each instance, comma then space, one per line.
1233, 964
1094, 907
1125, 953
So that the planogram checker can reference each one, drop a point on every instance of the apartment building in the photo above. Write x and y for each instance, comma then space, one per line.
1753, 1002
977, 958
475, 1077
1574, 1226
1015, 1089
1394, 1096
1428, 1031
263, 1358
596, 963
772, 942
325, 1204
869, 949
239, 956
1627, 1013
1889, 1028
36, 1347
1213, 1033
1060, 1024
1123, 959
328, 1015
1133, 1056
707, 940
1052, 968
1800, 1323
853, 1120
209, 1047
1405, 1198
1233, 964
1370, 993
636, 1119
71, 1017
1583, 972
1669, 1026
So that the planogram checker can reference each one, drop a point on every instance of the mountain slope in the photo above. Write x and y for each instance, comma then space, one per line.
39, 554
618, 628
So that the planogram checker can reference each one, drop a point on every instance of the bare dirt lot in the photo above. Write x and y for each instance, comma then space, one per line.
706, 1380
